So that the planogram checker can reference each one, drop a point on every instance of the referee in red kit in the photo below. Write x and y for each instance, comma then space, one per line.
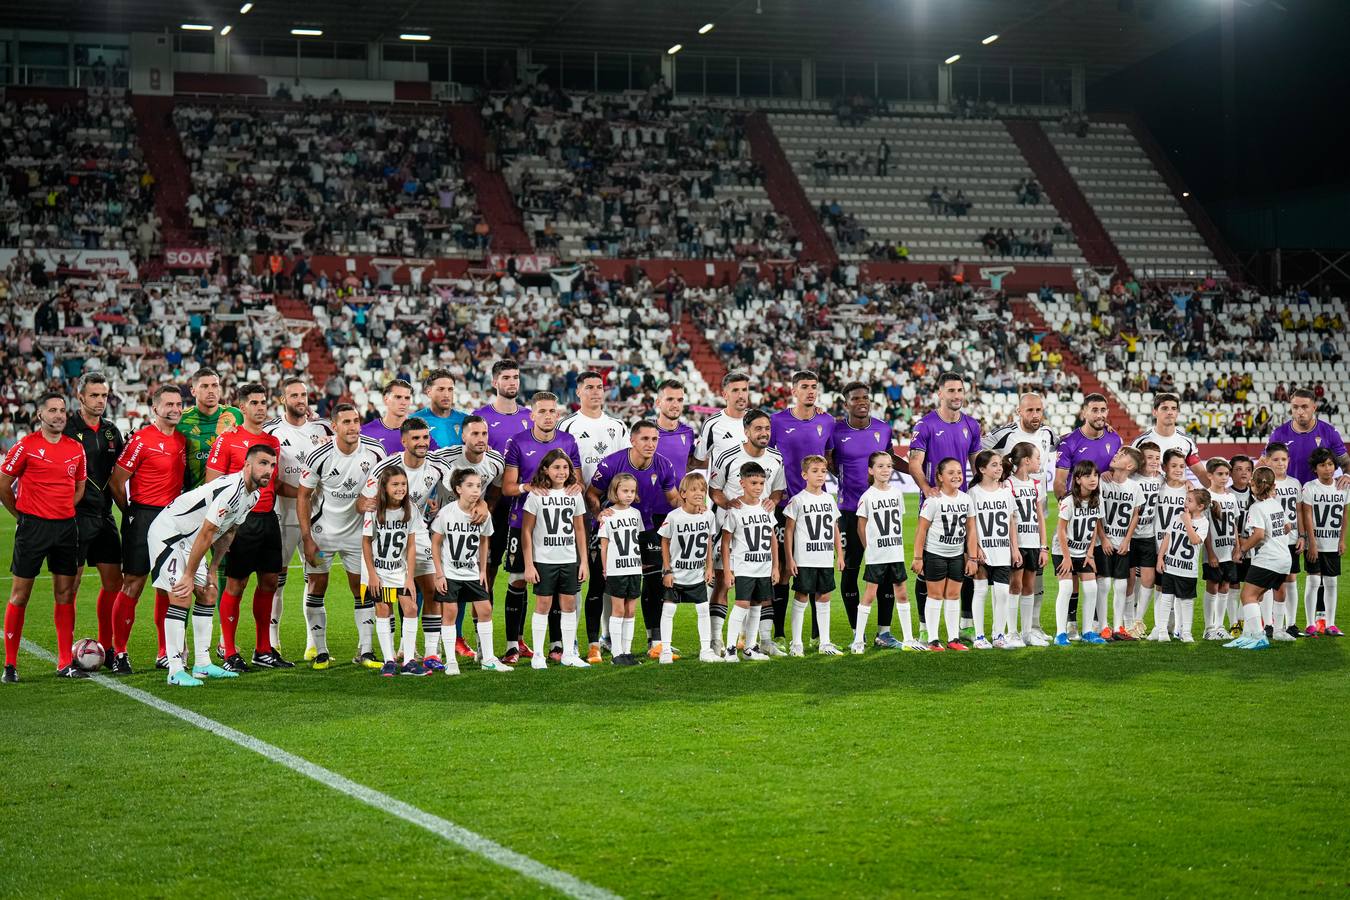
41, 480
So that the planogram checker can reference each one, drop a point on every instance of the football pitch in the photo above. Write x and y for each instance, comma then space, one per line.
1136, 769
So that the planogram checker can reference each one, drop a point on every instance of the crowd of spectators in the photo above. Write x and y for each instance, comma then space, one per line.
329, 178
1039, 242
74, 177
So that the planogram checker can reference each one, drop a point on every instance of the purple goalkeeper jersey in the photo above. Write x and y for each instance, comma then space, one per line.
675, 445
795, 439
525, 452
653, 482
1301, 446
390, 438
852, 448
940, 439
504, 426
1076, 446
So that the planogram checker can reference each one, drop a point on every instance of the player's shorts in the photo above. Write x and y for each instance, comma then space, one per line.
514, 559
38, 540
463, 592
388, 595
1143, 553
625, 587
813, 580
349, 550
1223, 573
1243, 566
885, 574
1265, 579
136, 538
687, 593
168, 563
1294, 557
1114, 565
1080, 564
1327, 565
501, 533
754, 589
99, 541
943, 568
557, 578
998, 574
1178, 586
256, 547
1030, 558
424, 564
853, 545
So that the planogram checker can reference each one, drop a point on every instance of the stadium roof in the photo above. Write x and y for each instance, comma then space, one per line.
1103, 35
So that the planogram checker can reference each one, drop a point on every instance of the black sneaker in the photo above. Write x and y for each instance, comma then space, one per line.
121, 664
1293, 631
161, 662
281, 661
1270, 632
234, 663
322, 661
71, 671
271, 660
108, 657
11, 675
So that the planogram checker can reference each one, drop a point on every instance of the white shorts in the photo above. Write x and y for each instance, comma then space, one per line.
168, 564
424, 565
350, 553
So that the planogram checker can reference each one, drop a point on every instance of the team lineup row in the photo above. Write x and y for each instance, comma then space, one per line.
422, 509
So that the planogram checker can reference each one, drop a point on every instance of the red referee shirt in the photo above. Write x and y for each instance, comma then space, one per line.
227, 457
46, 475
156, 462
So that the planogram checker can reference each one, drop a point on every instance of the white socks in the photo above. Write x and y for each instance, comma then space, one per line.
860, 629
1251, 620
407, 647
1087, 602
202, 622
1329, 585
1291, 602
796, 617
1185, 616
432, 626
1145, 598
977, 606
667, 625
1030, 615
616, 630
1310, 588
823, 620
316, 623
735, 624
1267, 608
1000, 623
1062, 606
752, 617
704, 626
765, 625
906, 626
386, 637
569, 634
932, 612
365, 626
539, 631
485, 647
274, 628
175, 638
951, 612
1162, 615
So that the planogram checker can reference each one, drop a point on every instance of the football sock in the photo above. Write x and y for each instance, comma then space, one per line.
569, 633
1290, 602
717, 618
1026, 603
1145, 598
849, 590
592, 609
459, 629
124, 616
161, 609
1186, 613
966, 601
932, 615
823, 617
408, 645
1329, 586
432, 627
515, 614
274, 616
1000, 609
554, 623
704, 627
606, 616
202, 626
64, 614
1311, 594
951, 613
1037, 601
752, 618
539, 631
448, 635
885, 604
1162, 615
798, 617
1207, 609
386, 639
616, 635
13, 632
766, 625
485, 649
262, 620
1089, 592
977, 601
316, 622
365, 625
860, 628
1251, 620
906, 626
1115, 587
1062, 606
103, 609
667, 625
1234, 599
175, 637
1073, 604
230, 604
735, 622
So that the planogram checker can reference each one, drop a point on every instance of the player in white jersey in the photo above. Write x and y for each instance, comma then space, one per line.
726, 428
1164, 433
300, 433
1144, 546
687, 538
330, 524
179, 538
1179, 556
1122, 501
1220, 570
460, 548
814, 550
1265, 542
996, 530
1322, 509
881, 531
1031, 551
597, 433
1288, 490
476, 455
390, 535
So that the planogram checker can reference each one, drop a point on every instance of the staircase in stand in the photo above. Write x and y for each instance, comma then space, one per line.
321, 362
786, 193
705, 356
1026, 311
495, 200
1073, 207
164, 156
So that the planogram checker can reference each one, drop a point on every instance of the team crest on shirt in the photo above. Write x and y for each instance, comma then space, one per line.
653, 478
876, 437
365, 468
1317, 441
108, 435
70, 470
820, 430
965, 432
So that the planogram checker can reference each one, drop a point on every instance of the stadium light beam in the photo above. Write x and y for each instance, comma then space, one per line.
194, 26
413, 36
245, 9
951, 59
706, 28
989, 40
675, 49
226, 30
307, 32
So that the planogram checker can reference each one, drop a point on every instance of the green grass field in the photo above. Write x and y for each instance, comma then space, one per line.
1138, 769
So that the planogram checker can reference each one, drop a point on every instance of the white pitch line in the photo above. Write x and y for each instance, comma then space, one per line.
562, 882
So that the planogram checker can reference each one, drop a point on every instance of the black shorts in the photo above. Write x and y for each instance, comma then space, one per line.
99, 541
1242, 567
501, 533
557, 578
649, 542
943, 568
1294, 557
1080, 566
754, 590
1179, 586
1114, 565
256, 547
463, 592
1265, 579
1143, 553
853, 545
885, 574
1327, 565
813, 580
998, 574
514, 558
625, 587
1030, 557
38, 540
1223, 573
687, 593
136, 538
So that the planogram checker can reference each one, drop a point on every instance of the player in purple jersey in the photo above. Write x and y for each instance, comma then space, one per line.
658, 493
945, 433
505, 419
676, 438
797, 432
1303, 434
523, 455
856, 437
398, 396
1095, 442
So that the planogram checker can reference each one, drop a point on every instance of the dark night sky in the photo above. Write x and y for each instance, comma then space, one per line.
1291, 121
